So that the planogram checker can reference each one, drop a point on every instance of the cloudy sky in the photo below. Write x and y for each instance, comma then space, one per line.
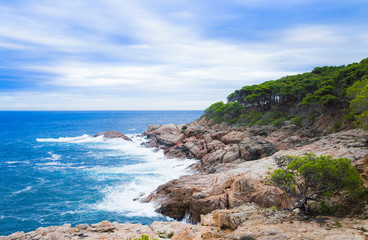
165, 54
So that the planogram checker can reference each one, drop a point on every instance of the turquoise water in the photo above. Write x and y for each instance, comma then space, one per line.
52, 171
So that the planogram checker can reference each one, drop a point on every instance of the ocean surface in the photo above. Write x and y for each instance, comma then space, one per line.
52, 171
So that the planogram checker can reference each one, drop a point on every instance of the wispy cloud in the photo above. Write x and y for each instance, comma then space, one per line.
159, 55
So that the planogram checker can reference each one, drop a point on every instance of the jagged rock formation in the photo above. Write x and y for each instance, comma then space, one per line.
228, 174
212, 145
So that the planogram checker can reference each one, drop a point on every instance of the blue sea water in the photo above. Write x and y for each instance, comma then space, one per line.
52, 171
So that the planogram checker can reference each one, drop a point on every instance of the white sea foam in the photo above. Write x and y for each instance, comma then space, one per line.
14, 163
51, 164
151, 169
22, 190
147, 176
11, 162
53, 156
80, 139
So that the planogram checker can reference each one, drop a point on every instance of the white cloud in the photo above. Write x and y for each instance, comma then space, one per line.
113, 48
315, 35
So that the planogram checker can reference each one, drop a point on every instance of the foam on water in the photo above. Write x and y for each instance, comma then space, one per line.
146, 177
80, 139
17, 162
53, 156
146, 171
22, 190
12, 162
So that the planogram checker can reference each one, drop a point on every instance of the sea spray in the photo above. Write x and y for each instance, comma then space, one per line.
146, 170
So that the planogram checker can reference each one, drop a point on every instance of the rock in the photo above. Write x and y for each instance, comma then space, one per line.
232, 154
167, 128
196, 148
177, 152
262, 131
215, 145
82, 226
232, 137
217, 135
104, 226
168, 229
231, 218
247, 221
196, 195
196, 131
169, 139
215, 157
153, 127
362, 167
113, 134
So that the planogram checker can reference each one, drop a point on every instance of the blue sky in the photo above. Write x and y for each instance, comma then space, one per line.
165, 55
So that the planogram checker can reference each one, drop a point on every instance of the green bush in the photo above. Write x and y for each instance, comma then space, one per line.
225, 112
145, 237
313, 178
327, 209
336, 126
358, 92
278, 122
297, 121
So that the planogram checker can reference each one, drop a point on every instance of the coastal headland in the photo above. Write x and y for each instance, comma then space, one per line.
226, 197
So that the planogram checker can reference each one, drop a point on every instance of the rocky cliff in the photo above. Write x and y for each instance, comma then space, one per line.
233, 163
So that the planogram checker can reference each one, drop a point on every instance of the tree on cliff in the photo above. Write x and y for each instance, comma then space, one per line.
323, 91
359, 103
312, 178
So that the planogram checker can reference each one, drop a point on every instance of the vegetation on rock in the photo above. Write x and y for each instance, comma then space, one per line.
144, 237
359, 103
299, 98
312, 178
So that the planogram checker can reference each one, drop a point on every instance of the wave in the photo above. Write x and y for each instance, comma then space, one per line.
147, 169
80, 139
146, 177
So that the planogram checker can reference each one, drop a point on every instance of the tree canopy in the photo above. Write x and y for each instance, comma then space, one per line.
317, 91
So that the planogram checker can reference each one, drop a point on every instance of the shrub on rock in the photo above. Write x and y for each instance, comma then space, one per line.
313, 178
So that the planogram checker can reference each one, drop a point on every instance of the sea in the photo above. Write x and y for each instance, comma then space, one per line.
53, 171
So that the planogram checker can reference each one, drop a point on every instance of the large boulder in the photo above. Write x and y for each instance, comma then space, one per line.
202, 193
232, 153
169, 139
196, 148
232, 137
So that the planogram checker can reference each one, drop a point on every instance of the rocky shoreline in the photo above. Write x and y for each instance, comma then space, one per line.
226, 197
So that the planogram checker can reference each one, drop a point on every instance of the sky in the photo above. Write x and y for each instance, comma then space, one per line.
165, 54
